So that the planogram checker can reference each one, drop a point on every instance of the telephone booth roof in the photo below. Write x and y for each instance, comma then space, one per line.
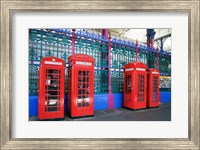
82, 57
51, 58
153, 69
135, 65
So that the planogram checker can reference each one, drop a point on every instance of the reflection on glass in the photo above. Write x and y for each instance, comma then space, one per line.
140, 88
83, 88
52, 92
155, 88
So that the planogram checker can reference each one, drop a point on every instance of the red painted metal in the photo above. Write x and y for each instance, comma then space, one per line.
51, 88
109, 63
110, 94
148, 40
136, 50
157, 59
153, 89
135, 77
73, 40
80, 85
152, 42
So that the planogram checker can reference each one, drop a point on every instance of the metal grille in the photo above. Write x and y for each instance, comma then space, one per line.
83, 88
117, 80
165, 65
140, 88
52, 90
98, 50
155, 89
58, 43
128, 84
44, 43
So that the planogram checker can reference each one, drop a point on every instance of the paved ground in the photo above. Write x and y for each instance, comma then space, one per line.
162, 113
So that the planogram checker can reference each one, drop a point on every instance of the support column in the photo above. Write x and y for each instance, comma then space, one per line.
110, 95
157, 59
105, 34
150, 44
73, 40
109, 63
150, 38
161, 44
136, 50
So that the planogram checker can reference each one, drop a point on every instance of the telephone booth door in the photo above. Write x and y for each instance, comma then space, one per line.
81, 85
135, 85
128, 87
51, 88
140, 88
153, 89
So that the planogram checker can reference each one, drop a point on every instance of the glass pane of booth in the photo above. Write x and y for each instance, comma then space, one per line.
52, 90
69, 83
128, 84
155, 89
141, 88
83, 88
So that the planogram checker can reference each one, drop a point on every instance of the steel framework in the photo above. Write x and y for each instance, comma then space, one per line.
62, 43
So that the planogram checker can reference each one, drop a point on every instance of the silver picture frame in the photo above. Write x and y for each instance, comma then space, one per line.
9, 7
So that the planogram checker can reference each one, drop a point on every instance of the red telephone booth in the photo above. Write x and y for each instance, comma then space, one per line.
80, 85
51, 88
135, 85
153, 89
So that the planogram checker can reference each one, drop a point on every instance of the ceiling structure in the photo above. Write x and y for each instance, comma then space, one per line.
140, 35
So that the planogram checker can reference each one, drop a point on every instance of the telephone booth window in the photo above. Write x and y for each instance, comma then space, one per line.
51, 88
155, 88
83, 88
69, 83
140, 88
52, 99
153, 95
128, 84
